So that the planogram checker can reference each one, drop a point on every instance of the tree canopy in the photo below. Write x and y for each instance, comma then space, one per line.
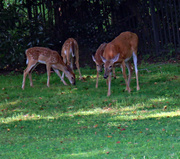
48, 23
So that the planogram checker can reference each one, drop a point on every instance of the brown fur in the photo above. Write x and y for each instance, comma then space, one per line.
125, 44
49, 57
97, 59
70, 49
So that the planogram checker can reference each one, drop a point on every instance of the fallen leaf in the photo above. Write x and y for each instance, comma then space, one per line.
95, 125
8, 130
123, 129
109, 136
163, 129
135, 143
165, 107
118, 142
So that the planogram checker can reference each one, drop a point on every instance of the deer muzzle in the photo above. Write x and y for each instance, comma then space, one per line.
105, 76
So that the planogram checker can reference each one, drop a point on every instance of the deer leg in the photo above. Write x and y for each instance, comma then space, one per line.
30, 74
58, 73
71, 63
136, 69
125, 77
65, 61
48, 67
97, 77
128, 65
77, 65
62, 75
109, 85
114, 74
26, 71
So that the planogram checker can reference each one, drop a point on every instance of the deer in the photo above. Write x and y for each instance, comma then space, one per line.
51, 59
70, 49
120, 50
99, 63
97, 59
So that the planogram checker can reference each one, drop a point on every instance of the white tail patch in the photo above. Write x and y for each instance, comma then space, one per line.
71, 52
135, 61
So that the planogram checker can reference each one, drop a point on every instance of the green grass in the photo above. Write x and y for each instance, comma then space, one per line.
81, 122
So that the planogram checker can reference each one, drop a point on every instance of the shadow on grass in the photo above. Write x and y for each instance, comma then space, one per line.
90, 134
82, 122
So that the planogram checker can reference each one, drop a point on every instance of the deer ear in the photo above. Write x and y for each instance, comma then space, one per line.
93, 58
116, 58
103, 59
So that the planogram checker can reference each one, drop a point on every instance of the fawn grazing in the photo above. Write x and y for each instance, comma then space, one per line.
120, 50
36, 55
70, 49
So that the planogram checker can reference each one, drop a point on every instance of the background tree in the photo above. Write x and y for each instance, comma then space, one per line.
48, 23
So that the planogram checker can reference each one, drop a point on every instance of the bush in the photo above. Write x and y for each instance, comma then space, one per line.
19, 33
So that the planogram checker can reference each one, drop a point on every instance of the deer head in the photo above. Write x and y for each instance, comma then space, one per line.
108, 65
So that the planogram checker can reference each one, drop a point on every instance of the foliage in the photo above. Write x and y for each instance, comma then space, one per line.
48, 23
18, 34
82, 122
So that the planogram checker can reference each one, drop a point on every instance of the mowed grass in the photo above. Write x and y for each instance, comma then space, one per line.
78, 122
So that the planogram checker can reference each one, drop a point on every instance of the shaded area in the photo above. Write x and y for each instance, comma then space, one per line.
49, 23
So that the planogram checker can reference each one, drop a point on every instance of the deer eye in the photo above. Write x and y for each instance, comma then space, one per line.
110, 66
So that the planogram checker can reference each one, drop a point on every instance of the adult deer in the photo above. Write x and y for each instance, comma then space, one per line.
99, 63
70, 49
97, 59
36, 55
120, 50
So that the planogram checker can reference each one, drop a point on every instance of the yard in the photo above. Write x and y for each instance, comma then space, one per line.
82, 122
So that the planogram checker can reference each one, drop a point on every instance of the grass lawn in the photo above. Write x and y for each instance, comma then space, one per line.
79, 122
